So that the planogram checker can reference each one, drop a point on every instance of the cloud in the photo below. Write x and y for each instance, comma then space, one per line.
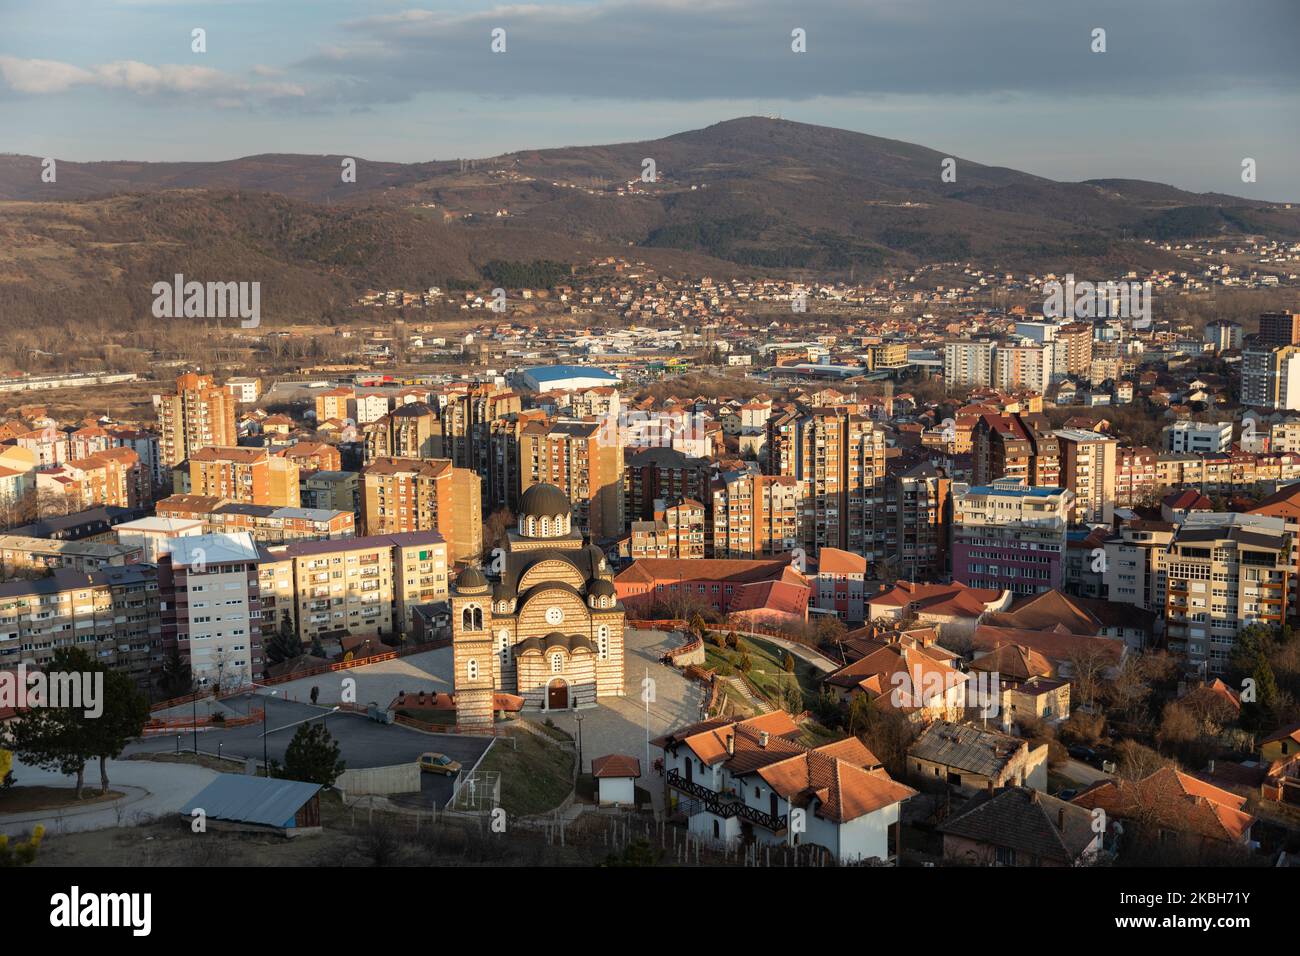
47, 77
698, 49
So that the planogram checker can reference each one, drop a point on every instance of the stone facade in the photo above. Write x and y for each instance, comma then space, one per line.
549, 630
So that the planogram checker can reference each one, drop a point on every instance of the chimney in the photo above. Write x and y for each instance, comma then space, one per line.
731, 745
1210, 769
762, 738
1060, 819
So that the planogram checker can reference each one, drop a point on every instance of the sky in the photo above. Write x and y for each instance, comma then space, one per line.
1183, 93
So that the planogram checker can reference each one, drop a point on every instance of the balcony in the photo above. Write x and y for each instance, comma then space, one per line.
726, 806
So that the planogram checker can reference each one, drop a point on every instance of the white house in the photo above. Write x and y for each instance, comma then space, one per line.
755, 781
616, 776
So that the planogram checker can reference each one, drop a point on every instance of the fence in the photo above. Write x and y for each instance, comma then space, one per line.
162, 725
298, 675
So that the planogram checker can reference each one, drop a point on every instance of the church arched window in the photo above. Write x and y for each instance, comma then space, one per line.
471, 619
471, 669
557, 663
546, 527
503, 645
602, 641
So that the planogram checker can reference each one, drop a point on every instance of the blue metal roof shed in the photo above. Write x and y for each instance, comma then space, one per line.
284, 804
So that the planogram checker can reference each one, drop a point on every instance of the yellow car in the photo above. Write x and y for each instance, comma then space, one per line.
439, 763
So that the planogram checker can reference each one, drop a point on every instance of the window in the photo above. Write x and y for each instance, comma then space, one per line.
471, 669
602, 642
557, 663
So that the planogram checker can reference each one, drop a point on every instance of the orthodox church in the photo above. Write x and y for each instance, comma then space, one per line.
549, 630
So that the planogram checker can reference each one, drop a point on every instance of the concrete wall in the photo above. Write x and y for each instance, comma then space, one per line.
399, 778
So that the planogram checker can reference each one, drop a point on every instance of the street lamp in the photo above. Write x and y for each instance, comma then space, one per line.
266, 761
577, 715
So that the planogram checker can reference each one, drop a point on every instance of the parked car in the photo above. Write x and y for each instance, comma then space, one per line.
439, 763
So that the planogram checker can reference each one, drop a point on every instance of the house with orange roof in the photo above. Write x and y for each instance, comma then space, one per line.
952, 609
905, 680
754, 591
755, 782
838, 584
1171, 804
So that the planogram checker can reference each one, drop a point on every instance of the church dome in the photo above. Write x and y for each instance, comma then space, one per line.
600, 587
544, 501
471, 580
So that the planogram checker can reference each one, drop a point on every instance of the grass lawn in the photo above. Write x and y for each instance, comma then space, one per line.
535, 776
815, 734
24, 799
768, 672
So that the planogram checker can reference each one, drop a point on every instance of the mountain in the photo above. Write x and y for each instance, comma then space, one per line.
747, 195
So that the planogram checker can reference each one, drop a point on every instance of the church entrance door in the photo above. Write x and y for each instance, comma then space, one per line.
557, 695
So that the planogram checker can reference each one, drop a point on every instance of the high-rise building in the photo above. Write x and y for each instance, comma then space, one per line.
1270, 376
754, 515
199, 415
1279, 328
1009, 536
246, 475
401, 495
1088, 470
1015, 446
922, 510
1023, 366
967, 364
584, 461
1224, 571
211, 608
408, 431
1072, 350
658, 474
840, 463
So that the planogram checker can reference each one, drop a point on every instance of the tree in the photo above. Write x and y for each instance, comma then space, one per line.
284, 644
57, 738
312, 756
176, 679
788, 663
1089, 664
125, 712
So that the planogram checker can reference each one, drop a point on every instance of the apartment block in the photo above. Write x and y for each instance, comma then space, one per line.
1224, 571
1270, 376
919, 503
754, 515
1018, 445
401, 495
840, 461
250, 476
408, 431
211, 608
1088, 470
1134, 569
967, 364
112, 614
661, 474
358, 586
111, 477
1009, 536
584, 462
199, 415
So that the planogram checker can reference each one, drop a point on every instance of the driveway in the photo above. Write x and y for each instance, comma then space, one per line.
362, 742
618, 724
150, 790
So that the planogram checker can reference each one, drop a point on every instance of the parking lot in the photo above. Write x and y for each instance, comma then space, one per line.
362, 742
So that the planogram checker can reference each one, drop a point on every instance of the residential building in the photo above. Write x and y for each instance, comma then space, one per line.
402, 494
1088, 470
1197, 438
1009, 536
250, 476
200, 415
584, 461
755, 777
212, 608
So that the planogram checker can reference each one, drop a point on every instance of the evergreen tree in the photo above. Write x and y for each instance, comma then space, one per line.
312, 756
